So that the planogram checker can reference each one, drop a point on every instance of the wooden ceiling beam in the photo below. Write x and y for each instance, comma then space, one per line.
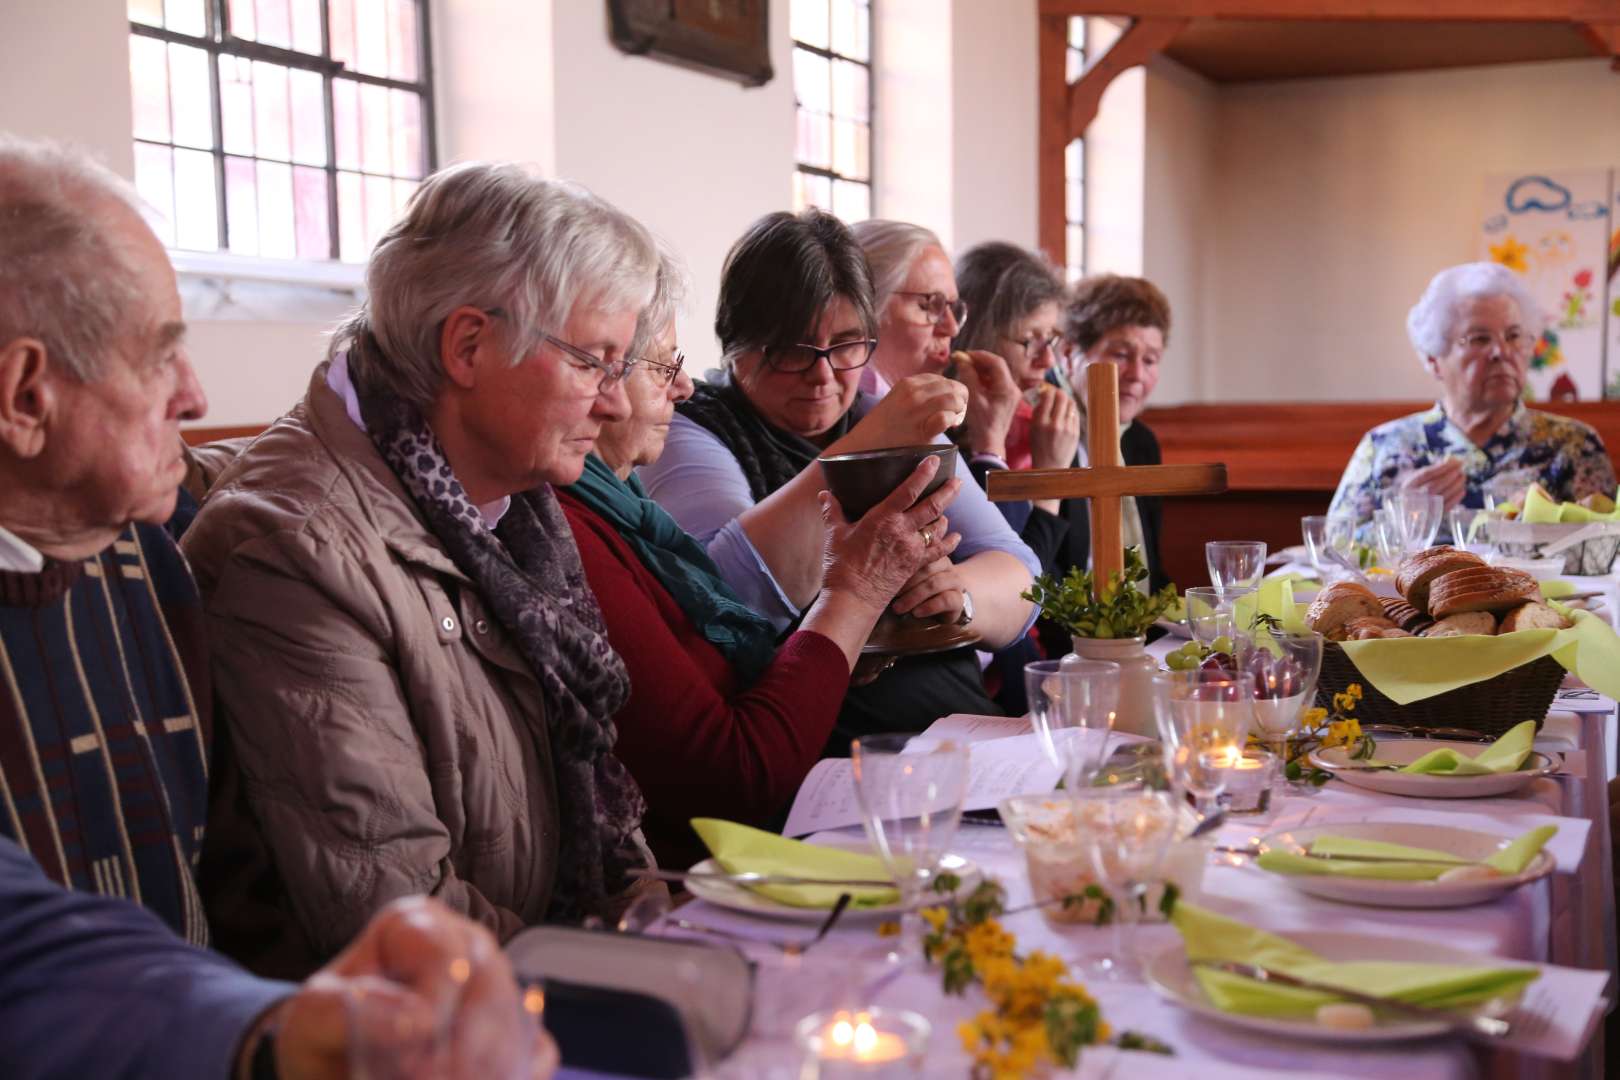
1576, 11
1140, 42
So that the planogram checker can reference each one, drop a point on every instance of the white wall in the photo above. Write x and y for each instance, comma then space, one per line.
995, 121
1339, 198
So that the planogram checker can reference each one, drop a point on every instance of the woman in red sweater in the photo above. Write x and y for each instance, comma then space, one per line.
724, 721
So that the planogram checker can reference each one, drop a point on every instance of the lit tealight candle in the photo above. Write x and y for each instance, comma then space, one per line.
867, 1044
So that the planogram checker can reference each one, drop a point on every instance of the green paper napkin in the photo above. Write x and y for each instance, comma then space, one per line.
1557, 589
1540, 510
1411, 669
1209, 936
1506, 754
1510, 860
741, 849
1275, 598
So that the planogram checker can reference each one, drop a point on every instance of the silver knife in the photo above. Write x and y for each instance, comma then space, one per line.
1255, 852
1487, 1027
749, 880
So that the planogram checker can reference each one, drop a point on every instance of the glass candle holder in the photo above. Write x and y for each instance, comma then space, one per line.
869, 1044
1249, 779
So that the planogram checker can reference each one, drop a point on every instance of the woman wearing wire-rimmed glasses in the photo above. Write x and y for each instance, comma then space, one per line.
723, 720
798, 327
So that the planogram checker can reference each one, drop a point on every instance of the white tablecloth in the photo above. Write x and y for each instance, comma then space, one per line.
1567, 919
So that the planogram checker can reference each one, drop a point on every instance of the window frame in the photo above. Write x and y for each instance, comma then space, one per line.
831, 175
1074, 262
218, 41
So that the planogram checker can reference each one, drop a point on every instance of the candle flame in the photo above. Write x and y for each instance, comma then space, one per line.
843, 1033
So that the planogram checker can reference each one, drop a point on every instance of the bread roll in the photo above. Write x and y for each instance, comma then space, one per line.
1417, 572
1462, 625
1532, 616
1403, 614
1338, 604
1486, 588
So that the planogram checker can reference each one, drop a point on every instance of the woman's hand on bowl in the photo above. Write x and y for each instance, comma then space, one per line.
915, 411
935, 589
874, 558
992, 400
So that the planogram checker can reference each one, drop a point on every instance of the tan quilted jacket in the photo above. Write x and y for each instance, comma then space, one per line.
390, 740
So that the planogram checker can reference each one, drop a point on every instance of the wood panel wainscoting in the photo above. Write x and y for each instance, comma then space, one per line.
1283, 461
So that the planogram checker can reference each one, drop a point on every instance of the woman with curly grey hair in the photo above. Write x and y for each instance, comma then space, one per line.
419, 681
1473, 330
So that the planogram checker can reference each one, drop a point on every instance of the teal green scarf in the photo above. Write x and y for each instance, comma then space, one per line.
681, 566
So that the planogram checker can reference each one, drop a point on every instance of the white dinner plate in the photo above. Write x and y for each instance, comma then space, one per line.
1428, 786
1294, 553
1467, 844
1175, 629
1170, 974
738, 898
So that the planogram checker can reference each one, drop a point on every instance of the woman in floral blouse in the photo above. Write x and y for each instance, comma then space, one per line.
1474, 329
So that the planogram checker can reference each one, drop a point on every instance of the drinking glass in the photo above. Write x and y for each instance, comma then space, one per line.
1131, 831
1235, 563
1388, 538
1418, 515
1469, 529
1203, 719
1313, 529
1071, 706
911, 801
1329, 538
1282, 670
1212, 614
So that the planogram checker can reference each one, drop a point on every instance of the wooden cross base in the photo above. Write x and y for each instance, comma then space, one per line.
1108, 479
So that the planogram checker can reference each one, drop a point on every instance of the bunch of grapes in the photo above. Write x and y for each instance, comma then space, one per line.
1216, 657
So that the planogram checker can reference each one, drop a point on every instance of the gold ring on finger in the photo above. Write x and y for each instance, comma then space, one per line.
927, 534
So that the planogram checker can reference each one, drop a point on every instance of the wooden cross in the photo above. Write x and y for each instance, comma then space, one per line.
1108, 479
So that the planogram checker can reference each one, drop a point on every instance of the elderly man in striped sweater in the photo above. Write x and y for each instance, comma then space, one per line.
105, 735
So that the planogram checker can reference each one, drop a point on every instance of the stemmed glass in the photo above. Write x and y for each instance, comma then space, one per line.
1325, 536
1388, 537
910, 792
1282, 669
1203, 720
1469, 529
1418, 516
1129, 833
1235, 563
1212, 614
1071, 705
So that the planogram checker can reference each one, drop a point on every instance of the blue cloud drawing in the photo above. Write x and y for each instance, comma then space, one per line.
1496, 224
1588, 210
1536, 193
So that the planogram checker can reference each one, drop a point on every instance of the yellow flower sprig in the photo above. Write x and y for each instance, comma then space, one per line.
1038, 1017
1321, 729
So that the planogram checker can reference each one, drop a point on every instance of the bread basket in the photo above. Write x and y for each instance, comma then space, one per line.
1489, 707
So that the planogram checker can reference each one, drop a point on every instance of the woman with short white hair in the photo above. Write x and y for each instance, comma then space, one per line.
1474, 330
419, 683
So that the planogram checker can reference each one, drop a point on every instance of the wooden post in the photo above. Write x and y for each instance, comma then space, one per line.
1102, 446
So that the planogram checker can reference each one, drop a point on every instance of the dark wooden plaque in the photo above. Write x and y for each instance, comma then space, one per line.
726, 37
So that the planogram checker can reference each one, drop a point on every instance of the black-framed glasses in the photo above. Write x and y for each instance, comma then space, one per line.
1035, 344
842, 356
935, 305
667, 372
611, 371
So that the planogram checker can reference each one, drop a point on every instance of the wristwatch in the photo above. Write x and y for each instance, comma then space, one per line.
967, 609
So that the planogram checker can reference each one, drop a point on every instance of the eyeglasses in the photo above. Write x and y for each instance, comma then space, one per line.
844, 356
668, 372
1513, 340
612, 371
1036, 344
934, 305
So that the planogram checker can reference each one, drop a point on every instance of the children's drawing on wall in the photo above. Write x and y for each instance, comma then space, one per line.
1554, 230
1614, 290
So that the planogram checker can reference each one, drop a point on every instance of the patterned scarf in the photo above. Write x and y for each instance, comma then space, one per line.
528, 571
682, 566
769, 457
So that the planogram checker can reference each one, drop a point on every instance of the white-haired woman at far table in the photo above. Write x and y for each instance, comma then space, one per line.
1474, 330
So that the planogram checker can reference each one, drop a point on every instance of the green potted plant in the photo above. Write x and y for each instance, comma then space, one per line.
1110, 623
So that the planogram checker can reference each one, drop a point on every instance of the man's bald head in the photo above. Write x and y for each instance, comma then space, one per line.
69, 228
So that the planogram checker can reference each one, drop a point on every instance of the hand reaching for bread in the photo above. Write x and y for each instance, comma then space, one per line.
1444, 593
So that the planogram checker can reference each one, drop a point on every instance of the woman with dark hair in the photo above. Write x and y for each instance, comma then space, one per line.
797, 322
1123, 321
721, 721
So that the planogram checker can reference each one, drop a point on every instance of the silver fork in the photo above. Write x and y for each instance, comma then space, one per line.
788, 948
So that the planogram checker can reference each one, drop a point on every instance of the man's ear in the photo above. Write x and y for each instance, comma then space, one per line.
27, 396
466, 329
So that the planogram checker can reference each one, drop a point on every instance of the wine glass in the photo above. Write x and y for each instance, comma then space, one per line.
1235, 563
1313, 530
1203, 718
1469, 529
1128, 835
1282, 669
1418, 515
1212, 615
910, 792
1387, 536
1071, 706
